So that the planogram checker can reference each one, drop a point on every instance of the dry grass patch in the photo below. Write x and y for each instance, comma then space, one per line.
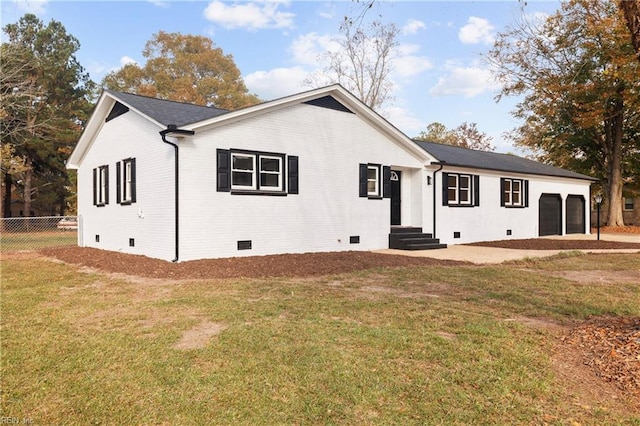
373, 346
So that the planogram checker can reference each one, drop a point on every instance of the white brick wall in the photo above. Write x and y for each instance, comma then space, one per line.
149, 221
489, 221
327, 211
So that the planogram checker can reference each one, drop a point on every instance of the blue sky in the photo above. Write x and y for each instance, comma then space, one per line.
438, 75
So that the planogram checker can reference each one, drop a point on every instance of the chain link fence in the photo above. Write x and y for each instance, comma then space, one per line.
32, 233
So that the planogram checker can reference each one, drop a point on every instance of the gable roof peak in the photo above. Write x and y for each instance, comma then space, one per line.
166, 111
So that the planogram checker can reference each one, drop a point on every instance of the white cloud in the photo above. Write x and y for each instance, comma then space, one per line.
403, 119
160, 3
125, 60
36, 7
306, 48
464, 81
406, 64
250, 15
276, 83
477, 30
413, 26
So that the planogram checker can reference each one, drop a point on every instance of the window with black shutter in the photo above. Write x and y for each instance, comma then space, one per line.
101, 186
514, 192
460, 190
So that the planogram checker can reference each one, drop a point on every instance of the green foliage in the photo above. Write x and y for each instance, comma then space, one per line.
579, 76
44, 103
184, 68
465, 135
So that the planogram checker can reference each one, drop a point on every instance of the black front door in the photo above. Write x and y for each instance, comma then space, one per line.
395, 197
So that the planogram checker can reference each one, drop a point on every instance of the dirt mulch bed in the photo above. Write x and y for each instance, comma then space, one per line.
556, 244
282, 265
611, 347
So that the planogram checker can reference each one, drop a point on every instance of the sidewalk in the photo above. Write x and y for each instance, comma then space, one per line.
492, 255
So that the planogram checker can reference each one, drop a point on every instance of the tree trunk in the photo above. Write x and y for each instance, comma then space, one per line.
631, 9
6, 197
26, 194
614, 129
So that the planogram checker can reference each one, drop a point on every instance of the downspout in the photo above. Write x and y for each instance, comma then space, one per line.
441, 164
173, 130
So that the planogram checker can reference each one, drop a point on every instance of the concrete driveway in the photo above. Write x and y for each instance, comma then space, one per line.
492, 255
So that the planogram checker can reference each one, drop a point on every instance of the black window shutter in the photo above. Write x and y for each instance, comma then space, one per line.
224, 170
133, 180
445, 189
363, 180
292, 181
118, 182
386, 182
476, 190
106, 184
502, 201
95, 187
526, 193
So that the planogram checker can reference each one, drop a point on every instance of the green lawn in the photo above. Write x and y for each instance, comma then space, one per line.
387, 346
10, 241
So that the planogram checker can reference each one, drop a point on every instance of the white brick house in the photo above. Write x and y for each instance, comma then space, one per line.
315, 171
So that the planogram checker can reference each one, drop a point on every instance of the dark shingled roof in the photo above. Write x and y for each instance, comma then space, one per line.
463, 157
168, 112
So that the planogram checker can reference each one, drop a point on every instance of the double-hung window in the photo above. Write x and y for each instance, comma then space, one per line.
373, 180
513, 192
270, 173
126, 181
460, 190
627, 203
243, 171
101, 186
255, 172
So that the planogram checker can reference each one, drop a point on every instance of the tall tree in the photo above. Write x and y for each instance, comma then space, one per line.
44, 101
578, 76
184, 68
362, 63
465, 135
631, 10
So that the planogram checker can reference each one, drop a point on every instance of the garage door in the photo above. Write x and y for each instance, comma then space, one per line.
550, 215
575, 214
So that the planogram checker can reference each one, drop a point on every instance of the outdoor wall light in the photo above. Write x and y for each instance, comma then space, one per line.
428, 180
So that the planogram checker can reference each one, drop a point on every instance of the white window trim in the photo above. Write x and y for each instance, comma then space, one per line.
457, 190
257, 172
253, 186
376, 180
127, 179
468, 189
512, 191
102, 186
279, 173
454, 200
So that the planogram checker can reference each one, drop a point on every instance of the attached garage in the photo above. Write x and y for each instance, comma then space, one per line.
550, 215
575, 214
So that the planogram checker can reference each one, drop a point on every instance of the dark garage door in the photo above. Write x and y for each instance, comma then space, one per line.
575, 214
550, 215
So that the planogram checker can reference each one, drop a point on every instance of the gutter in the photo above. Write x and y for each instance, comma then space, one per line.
172, 130
441, 164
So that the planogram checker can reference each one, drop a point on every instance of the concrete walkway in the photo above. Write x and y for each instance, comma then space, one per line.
492, 255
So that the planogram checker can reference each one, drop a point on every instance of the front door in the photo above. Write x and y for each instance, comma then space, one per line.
395, 197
